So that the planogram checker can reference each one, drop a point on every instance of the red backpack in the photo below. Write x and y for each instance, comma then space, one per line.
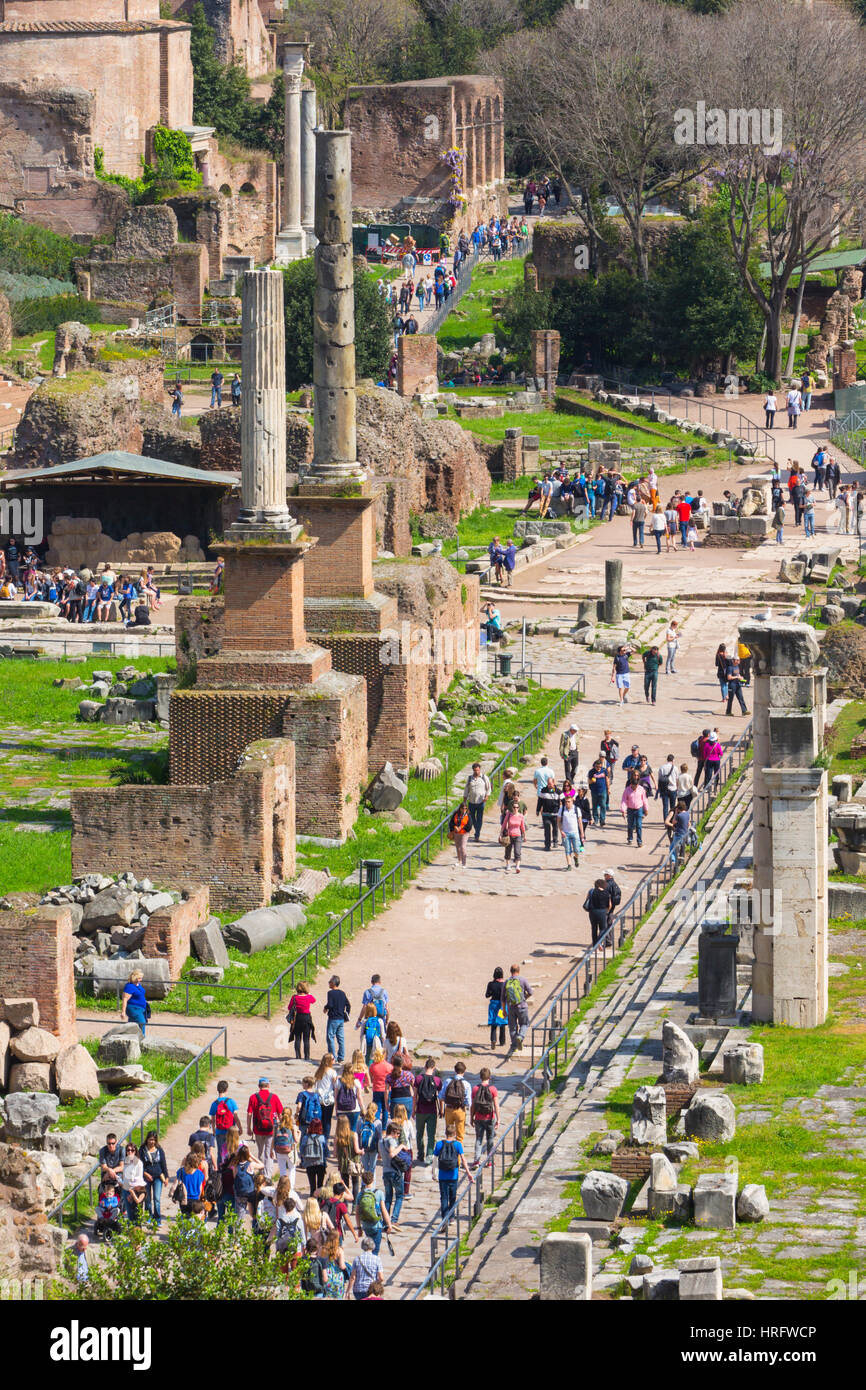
224, 1117
264, 1115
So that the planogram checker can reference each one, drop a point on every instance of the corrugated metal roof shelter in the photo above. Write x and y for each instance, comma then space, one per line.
116, 466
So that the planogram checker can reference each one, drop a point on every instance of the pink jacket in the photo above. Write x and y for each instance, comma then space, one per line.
634, 798
711, 752
514, 824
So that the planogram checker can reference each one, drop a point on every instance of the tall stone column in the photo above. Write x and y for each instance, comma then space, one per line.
263, 406
489, 143
308, 164
290, 239
335, 457
613, 591
789, 975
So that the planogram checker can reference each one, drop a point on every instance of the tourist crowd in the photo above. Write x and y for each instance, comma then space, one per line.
357, 1128
81, 595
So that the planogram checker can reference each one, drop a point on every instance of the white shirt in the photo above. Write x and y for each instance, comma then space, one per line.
685, 782
324, 1087
667, 773
568, 820
672, 636
770, 402
133, 1173
658, 521
391, 1048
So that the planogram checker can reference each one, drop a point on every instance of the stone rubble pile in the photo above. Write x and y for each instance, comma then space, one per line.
110, 916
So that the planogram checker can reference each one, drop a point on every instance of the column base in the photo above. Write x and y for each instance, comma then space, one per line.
290, 245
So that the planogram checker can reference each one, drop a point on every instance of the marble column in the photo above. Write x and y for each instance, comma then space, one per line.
308, 165
335, 456
263, 407
290, 238
789, 843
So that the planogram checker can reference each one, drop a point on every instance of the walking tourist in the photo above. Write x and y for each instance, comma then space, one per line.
517, 991
476, 794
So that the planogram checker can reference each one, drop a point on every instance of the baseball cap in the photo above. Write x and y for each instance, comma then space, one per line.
263, 1081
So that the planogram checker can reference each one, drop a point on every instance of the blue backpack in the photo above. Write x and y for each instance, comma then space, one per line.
311, 1108
371, 1029
244, 1185
368, 1136
381, 1008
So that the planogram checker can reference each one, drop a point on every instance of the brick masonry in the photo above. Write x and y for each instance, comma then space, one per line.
168, 931
238, 833
416, 365
264, 604
36, 955
341, 563
544, 356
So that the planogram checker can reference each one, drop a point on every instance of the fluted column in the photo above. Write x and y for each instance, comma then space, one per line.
308, 164
334, 442
263, 405
290, 239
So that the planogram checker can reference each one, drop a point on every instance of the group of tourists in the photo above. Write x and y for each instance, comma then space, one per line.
357, 1127
81, 595
569, 809
798, 399
607, 493
849, 499
543, 191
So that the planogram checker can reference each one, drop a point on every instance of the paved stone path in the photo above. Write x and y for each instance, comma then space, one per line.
619, 1036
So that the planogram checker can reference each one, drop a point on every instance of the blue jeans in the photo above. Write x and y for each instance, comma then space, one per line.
447, 1194
375, 1234
394, 1189
683, 530
136, 1015
637, 531
809, 523
408, 1101
476, 816
334, 1040
216, 396
570, 843
676, 845
152, 1197
379, 1102
590, 504
634, 820
668, 800
599, 806
89, 610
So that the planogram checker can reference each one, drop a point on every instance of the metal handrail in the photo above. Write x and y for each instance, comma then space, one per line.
746, 429
505, 1150
648, 890
56, 1213
464, 281
556, 1027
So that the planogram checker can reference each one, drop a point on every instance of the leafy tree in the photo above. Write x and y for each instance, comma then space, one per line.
372, 324
524, 310
191, 1262
700, 306
609, 317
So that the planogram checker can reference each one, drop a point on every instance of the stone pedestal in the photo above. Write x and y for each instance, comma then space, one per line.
345, 528
789, 845
417, 365
545, 357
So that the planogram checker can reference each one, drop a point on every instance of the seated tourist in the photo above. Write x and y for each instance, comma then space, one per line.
104, 600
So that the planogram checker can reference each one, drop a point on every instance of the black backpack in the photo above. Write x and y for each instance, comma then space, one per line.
427, 1089
448, 1155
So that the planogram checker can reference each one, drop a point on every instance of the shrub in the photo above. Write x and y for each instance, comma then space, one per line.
27, 249
16, 286
43, 315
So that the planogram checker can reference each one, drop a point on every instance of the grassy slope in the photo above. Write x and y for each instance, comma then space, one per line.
473, 317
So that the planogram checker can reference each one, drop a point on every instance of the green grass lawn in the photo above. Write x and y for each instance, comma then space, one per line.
39, 768
479, 527
473, 315
161, 1069
557, 430
374, 840
849, 725
47, 341
783, 1151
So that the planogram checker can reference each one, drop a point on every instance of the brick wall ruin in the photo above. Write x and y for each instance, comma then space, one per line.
145, 59
239, 832
416, 365
36, 955
168, 930
399, 132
